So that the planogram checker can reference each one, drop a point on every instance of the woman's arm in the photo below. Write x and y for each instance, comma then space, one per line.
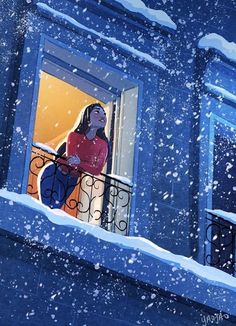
97, 163
72, 144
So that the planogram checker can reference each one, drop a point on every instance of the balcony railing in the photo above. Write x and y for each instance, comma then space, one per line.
220, 243
102, 200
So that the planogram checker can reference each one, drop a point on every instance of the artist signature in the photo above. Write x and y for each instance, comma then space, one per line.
214, 319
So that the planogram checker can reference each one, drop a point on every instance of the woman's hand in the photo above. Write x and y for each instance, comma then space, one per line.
73, 160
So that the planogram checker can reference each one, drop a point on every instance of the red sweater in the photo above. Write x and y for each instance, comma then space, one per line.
92, 153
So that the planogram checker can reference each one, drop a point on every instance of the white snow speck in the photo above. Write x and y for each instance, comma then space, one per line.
97, 266
46, 236
53, 296
178, 122
95, 293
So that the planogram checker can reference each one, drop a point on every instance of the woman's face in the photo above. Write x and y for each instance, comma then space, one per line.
98, 118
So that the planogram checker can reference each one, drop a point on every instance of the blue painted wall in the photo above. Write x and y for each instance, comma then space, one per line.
11, 38
42, 287
177, 218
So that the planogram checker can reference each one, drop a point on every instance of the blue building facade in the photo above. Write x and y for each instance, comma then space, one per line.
165, 119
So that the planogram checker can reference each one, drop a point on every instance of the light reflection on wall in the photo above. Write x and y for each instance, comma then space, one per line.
59, 105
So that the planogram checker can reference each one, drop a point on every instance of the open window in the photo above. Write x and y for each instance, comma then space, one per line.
224, 166
218, 165
68, 82
220, 232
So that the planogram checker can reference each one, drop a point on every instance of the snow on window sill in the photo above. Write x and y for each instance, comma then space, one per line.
55, 14
227, 216
219, 43
58, 217
220, 91
157, 16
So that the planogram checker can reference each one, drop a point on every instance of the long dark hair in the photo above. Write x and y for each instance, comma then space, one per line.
83, 126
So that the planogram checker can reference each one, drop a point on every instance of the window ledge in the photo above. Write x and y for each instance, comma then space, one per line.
67, 20
133, 257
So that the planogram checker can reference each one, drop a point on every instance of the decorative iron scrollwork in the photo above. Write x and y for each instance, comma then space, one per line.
101, 200
220, 244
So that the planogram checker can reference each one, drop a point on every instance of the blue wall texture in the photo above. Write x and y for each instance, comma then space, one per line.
12, 37
42, 287
176, 180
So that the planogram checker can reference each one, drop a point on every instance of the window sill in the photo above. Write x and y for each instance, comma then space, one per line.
132, 257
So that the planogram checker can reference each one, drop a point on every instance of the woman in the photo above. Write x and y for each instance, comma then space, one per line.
86, 150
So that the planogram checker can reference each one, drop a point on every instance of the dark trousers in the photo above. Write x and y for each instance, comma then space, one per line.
56, 186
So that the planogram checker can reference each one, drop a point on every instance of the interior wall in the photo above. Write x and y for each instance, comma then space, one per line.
58, 109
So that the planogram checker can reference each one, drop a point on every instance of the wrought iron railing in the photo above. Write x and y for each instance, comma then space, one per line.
220, 243
101, 200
